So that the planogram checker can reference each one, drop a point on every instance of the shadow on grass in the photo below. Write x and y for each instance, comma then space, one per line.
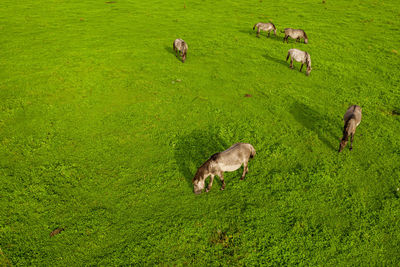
292, 41
249, 32
280, 61
316, 122
263, 35
192, 150
171, 50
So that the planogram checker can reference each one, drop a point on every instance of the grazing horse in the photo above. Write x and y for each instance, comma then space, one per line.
295, 34
300, 56
352, 119
181, 48
226, 161
268, 27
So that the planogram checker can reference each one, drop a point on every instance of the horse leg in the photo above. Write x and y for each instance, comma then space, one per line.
284, 39
210, 184
301, 67
221, 177
291, 63
351, 141
269, 33
258, 32
245, 170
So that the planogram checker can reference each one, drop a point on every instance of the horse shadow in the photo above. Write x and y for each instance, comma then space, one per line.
171, 50
279, 61
249, 32
318, 123
263, 35
193, 149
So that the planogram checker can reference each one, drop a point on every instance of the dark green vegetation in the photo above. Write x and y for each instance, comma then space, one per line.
99, 138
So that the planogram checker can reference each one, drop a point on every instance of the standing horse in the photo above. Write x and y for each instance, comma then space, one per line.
300, 56
352, 119
295, 34
268, 27
226, 161
180, 47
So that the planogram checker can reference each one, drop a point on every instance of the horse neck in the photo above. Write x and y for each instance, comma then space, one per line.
202, 169
307, 59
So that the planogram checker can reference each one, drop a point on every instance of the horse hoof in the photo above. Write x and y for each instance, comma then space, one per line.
222, 188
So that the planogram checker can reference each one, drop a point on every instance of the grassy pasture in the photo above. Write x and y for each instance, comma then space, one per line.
99, 137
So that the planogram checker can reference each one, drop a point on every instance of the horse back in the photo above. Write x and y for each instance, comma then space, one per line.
354, 111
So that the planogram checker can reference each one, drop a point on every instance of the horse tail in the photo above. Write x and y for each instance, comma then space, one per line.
305, 35
252, 152
288, 55
273, 26
255, 26
174, 45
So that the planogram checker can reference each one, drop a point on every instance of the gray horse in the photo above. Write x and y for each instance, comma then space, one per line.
352, 119
226, 161
295, 34
181, 48
300, 56
268, 27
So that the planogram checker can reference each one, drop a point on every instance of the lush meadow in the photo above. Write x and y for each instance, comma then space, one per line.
102, 129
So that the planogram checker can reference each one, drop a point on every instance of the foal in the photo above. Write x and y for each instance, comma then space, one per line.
268, 27
226, 161
295, 34
352, 119
300, 56
180, 47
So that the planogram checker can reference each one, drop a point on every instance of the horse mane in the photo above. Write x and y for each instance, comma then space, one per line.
307, 62
305, 35
214, 156
200, 170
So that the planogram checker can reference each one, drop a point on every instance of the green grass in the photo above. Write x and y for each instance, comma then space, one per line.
97, 138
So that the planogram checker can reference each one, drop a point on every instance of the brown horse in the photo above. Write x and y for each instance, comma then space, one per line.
352, 119
226, 161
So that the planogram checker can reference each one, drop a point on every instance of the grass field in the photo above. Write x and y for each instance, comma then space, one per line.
102, 129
